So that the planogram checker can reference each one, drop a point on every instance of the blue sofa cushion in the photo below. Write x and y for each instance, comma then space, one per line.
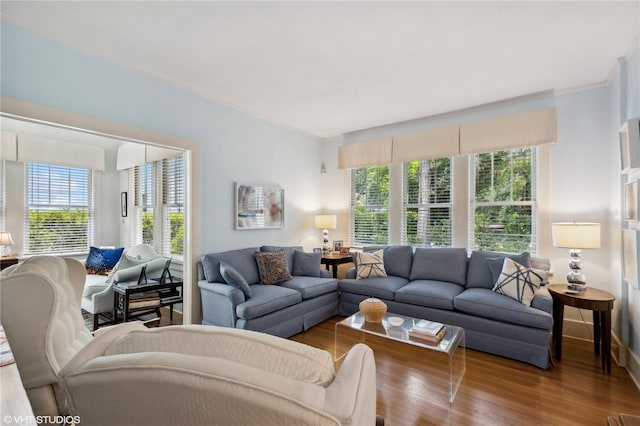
288, 251
273, 267
306, 264
397, 260
429, 293
485, 303
310, 287
234, 278
440, 264
100, 261
266, 299
479, 273
380, 287
243, 260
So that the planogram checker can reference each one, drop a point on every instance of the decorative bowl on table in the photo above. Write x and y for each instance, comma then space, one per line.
373, 309
395, 321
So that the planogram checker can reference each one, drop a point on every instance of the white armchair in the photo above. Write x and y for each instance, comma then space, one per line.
171, 375
40, 313
97, 297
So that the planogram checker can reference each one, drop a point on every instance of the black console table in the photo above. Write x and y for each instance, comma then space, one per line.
170, 293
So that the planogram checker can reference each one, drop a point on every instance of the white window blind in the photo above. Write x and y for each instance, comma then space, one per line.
59, 209
503, 201
370, 205
426, 213
144, 204
173, 206
159, 205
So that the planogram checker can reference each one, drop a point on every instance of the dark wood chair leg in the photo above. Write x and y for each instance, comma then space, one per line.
95, 322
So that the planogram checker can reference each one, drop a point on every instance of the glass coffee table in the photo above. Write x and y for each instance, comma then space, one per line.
355, 329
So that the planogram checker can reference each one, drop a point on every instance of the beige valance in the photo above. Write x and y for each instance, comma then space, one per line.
426, 145
509, 132
71, 154
135, 154
365, 154
497, 134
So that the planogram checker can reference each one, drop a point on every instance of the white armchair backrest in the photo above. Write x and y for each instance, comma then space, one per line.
141, 251
40, 312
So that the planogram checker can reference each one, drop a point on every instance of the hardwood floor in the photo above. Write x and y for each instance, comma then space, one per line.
495, 390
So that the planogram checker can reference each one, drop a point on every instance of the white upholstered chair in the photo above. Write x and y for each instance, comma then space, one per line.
40, 313
97, 296
130, 375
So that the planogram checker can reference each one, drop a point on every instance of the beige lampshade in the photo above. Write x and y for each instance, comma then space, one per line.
576, 235
325, 221
5, 238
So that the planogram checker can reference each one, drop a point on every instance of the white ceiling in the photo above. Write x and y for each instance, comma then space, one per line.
328, 68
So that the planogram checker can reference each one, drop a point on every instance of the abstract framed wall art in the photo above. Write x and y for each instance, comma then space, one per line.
630, 252
631, 200
259, 207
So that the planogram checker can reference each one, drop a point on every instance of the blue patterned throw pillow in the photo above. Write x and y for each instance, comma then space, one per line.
101, 261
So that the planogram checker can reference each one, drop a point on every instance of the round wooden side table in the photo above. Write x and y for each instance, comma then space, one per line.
600, 302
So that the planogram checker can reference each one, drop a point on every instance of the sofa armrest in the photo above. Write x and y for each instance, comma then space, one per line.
324, 273
542, 300
219, 302
351, 397
351, 273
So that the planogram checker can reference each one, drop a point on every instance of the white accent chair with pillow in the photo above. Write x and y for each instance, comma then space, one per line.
97, 297
130, 375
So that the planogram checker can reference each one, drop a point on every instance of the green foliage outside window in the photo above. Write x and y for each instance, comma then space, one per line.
59, 230
370, 205
504, 201
177, 233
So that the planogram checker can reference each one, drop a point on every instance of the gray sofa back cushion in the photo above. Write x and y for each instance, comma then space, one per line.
397, 260
242, 260
306, 264
479, 273
288, 252
440, 264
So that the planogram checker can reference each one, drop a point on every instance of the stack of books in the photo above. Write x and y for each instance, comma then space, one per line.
148, 299
428, 331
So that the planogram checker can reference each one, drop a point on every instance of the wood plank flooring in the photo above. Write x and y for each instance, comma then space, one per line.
495, 390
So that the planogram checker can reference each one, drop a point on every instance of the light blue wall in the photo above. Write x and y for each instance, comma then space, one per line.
234, 146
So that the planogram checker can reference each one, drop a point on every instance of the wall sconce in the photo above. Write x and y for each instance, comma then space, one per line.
323, 169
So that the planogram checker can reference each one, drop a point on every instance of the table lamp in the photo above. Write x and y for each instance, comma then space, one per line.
576, 236
325, 222
5, 242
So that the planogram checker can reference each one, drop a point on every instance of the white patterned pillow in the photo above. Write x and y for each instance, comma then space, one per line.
518, 282
370, 265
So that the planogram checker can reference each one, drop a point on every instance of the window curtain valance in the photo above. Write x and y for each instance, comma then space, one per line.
509, 132
365, 154
133, 154
27, 148
497, 134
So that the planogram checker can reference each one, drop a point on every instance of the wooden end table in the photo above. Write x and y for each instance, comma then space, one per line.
5, 262
600, 302
334, 260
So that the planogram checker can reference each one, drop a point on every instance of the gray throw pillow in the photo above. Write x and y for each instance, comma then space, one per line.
306, 264
234, 279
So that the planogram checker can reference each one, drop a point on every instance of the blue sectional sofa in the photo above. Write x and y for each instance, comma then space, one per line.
285, 309
439, 284
443, 284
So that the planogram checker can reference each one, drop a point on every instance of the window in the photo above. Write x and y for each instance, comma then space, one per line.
370, 205
503, 201
427, 203
159, 205
59, 209
496, 197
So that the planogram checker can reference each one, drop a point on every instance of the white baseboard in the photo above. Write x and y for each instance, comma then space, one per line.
620, 353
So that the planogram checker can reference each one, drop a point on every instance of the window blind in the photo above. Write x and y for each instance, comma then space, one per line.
173, 205
144, 204
59, 209
370, 205
503, 207
426, 213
